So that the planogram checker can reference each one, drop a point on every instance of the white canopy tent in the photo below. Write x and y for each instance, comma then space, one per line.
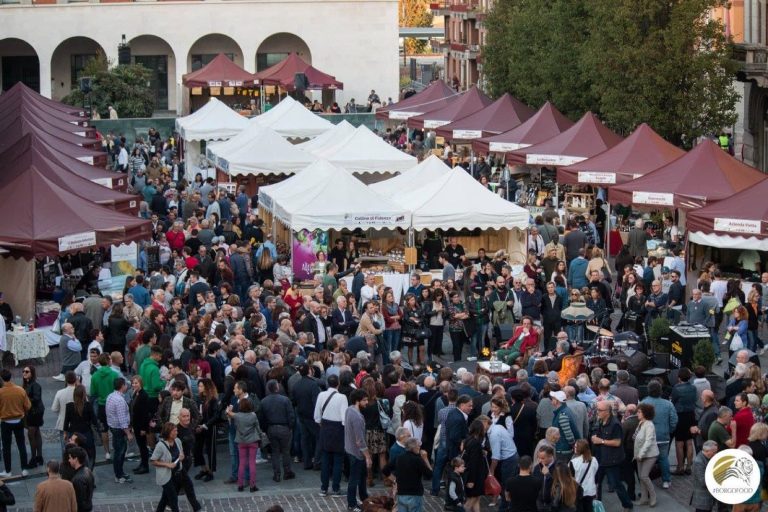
214, 121
311, 176
259, 151
340, 132
292, 119
334, 200
365, 152
428, 171
458, 201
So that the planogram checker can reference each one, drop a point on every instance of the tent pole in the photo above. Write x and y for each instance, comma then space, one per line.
607, 233
411, 243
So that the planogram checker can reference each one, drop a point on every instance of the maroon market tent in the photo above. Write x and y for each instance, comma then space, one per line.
22, 125
588, 137
457, 108
436, 95
30, 110
500, 116
543, 125
284, 72
26, 157
20, 91
39, 109
706, 173
114, 180
218, 73
638, 154
737, 222
48, 220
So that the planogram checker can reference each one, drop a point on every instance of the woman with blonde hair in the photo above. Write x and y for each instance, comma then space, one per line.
566, 492
598, 263
585, 467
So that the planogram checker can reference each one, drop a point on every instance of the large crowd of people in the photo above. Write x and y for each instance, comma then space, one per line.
213, 342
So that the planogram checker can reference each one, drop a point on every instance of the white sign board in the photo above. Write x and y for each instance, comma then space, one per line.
229, 186
106, 182
750, 227
534, 159
401, 114
467, 134
503, 147
434, 123
656, 198
77, 241
600, 178
372, 219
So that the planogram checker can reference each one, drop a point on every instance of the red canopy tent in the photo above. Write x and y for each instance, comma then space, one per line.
436, 95
30, 110
543, 125
23, 125
706, 173
588, 137
737, 222
20, 91
218, 73
457, 108
49, 221
40, 109
24, 156
638, 154
284, 72
500, 116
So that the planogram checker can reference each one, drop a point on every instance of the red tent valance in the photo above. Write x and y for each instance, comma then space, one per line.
284, 72
220, 72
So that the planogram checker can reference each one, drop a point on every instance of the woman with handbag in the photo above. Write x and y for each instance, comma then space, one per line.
167, 458
646, 452
476, 464
375, 431
736, 332
584, 467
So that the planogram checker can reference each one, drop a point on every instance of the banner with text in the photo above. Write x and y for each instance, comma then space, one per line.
306, 245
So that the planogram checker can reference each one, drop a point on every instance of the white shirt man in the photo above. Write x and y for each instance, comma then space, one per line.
336, 408
60, 401
87, 368
367, 292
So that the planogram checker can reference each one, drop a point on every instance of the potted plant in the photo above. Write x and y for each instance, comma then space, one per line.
704, 355
659, 329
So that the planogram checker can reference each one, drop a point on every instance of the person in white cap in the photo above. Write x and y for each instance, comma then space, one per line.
563, 419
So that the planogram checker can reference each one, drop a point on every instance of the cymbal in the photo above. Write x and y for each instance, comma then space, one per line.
606, 332
593, 328
598, 330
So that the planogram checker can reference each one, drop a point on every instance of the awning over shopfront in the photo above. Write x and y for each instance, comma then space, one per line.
214, 121
284, 72
705, 174
436, 95
456, 108
640, 153
220, 72
587, 138
500, 116
50, 221
738, 222
546, 123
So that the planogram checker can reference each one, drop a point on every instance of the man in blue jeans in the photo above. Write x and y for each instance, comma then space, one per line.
606, 439
119, 422
356, 449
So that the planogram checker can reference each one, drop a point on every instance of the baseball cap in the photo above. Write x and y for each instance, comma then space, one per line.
557, 395
665, 270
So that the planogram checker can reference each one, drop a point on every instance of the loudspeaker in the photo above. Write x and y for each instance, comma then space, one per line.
123, 54
85, 84
300, 82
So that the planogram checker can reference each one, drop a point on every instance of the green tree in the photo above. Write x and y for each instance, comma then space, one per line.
664, 62
125, 87
533, 51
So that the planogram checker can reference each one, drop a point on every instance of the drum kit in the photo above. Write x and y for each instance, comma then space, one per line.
609, 347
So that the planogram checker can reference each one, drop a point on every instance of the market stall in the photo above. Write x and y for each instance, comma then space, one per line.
293, 120
337, 133
55, 118
428, 171
65, 145
23, 125
283, 75
20, 92
224, 79
502, 115
435, 96
456, 108
364, 152
214, 121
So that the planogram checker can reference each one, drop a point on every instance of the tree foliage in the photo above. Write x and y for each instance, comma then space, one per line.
415, 13
125, 87
664, 62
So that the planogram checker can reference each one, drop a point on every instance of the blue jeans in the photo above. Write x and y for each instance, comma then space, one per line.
613, 474
410, 503
666, 475
715, 341
357, 480
119, 447
509, 468
437, 474
754, 342
391, 341
331, 462
478, 340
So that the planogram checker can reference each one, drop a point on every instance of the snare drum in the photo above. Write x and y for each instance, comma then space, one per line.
605, 344
592, 362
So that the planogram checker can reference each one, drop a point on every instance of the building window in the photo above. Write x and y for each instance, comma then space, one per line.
77, 65
5, 2
266, 60
202, 59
